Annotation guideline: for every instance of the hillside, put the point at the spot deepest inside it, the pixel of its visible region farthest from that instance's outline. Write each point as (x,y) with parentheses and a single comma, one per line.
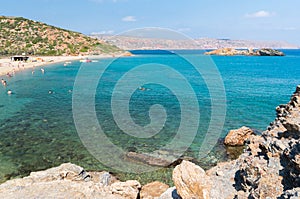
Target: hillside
(19,35)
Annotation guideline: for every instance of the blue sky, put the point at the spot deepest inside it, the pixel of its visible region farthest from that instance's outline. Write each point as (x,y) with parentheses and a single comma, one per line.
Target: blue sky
(234,19)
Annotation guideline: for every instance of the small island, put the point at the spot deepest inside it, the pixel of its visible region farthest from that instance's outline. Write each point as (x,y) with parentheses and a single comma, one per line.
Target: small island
(245,52)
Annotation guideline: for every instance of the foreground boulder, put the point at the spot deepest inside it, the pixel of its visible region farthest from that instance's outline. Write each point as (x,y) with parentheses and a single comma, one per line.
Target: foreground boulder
(191,181)
(69,181)
(237,137)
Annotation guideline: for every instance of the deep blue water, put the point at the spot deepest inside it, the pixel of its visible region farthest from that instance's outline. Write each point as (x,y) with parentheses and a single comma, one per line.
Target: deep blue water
(37,127)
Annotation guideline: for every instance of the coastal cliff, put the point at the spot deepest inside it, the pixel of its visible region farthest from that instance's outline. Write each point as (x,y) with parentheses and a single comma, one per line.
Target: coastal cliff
(247,52)
(268,168)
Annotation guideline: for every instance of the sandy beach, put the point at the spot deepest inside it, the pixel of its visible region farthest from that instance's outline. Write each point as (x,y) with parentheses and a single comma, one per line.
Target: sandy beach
(7,66)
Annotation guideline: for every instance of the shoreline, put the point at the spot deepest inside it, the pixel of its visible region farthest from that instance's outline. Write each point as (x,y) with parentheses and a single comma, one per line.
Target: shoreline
(11,67)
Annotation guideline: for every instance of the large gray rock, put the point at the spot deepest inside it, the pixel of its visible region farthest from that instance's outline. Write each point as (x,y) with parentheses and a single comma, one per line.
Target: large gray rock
(66,181)
(170,193)
(223,180)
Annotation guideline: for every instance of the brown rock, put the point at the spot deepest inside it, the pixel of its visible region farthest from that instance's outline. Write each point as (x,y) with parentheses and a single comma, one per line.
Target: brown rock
(237,137)
(153,190)
(128,189)
(191,181)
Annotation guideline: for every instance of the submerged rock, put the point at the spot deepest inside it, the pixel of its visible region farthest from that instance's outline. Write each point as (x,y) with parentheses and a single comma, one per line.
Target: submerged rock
(160,159)
(148,159)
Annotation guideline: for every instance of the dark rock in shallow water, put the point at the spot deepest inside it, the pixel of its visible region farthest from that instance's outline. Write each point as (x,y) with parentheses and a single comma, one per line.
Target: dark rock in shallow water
(269,52)
(162,159)
(148,159)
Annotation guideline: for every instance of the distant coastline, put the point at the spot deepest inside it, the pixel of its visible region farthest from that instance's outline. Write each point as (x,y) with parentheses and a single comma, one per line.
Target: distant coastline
(142,43)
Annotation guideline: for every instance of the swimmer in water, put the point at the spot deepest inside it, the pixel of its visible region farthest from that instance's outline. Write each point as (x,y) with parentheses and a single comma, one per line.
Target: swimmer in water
(43,71)
(9,92)
(4,83)
(142,88)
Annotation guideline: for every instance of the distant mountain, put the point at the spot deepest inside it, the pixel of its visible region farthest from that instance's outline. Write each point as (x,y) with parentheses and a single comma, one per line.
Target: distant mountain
(19,35)
(140,43)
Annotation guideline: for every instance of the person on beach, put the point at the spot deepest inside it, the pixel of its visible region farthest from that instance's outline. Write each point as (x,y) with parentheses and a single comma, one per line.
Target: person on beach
(8,74)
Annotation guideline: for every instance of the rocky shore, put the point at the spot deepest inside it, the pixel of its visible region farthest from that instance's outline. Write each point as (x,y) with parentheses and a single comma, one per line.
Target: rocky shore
(268,168)
(247,52)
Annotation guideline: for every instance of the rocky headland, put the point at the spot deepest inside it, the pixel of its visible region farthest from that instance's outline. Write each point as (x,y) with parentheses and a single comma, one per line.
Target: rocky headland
(246,52)
(269,167)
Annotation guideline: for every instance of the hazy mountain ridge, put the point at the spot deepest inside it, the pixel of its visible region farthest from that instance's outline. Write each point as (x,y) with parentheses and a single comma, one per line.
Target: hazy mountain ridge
(19,35)
(139,43)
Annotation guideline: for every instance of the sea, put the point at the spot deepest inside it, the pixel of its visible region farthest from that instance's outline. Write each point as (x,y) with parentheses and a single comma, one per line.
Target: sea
(167,103)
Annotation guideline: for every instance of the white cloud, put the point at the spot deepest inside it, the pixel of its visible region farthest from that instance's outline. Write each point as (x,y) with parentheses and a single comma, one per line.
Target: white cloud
(260,14)
(129,19)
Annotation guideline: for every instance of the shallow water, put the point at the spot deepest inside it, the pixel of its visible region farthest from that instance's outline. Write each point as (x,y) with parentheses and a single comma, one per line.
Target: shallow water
(37,127)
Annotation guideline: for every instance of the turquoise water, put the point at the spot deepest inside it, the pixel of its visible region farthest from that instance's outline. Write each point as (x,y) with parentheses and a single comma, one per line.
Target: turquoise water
(37,127)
